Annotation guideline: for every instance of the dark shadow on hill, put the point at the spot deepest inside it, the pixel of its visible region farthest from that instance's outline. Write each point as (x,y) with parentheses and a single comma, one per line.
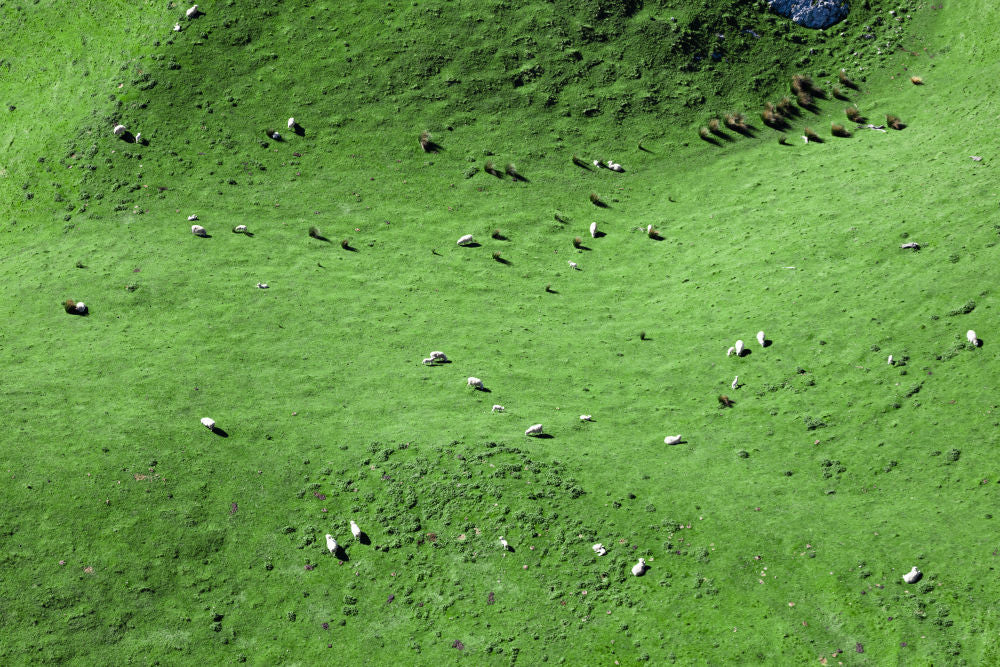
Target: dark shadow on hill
(748,131)
(548,288)
(582,247)
(499,237)
(517,176)
(656,236)
(709,139)
(127,137)
(319,237)
(485,390)
(581,164)
(219,432)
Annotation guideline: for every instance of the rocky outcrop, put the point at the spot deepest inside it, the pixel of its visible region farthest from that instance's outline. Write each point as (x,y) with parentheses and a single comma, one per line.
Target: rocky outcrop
(811,13)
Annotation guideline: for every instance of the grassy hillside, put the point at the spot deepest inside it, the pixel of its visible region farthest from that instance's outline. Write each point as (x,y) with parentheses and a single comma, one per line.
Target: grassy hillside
(777,532)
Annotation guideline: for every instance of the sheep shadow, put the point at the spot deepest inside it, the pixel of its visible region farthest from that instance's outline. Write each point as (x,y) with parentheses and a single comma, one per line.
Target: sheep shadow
(767,343)
(299,130)
(583,165)
(544,436)
(499,237)
(510,549)
(127,137)
(599,235)
(471,245)
(206,235)
(485,390)
(656,236)
(431,146)
(745,353)
(219,432)
(341,555)
(364,539)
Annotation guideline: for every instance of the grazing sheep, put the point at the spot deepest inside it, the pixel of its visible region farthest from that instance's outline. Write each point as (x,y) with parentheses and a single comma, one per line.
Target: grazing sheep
(586,418)
(193,12)
(198,230)
(497,408)
(599,549)
(466,240)
(355,531)
(429,361)
(738,348)
(504,545)
(730,351)
(331,544)
(639,568)
(597,163)
(291,123)
(593,230)
(475,383)
(736,382)
(192,217)
(649,229)
(534,430)
(80,308)
(276,136)
(138,137)
(119,130)
(573,265)
(890,360)
(671,439)
(971,336)
(208,423)
(439,355)
(240,229)
(913,576)
(760,338)
(614,166)
(177,27)
(910,246)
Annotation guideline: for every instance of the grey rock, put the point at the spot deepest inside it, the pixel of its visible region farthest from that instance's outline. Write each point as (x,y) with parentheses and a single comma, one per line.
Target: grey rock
(811,13)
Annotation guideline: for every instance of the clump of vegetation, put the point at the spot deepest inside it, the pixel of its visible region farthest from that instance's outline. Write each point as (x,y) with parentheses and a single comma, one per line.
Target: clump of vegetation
(597,201)
(497,257)
(854,115)
(548,288)
(786,108)
(498,235)
(425,142)
(704,133)
(838,130)
(577,242)
(736,122)
(725,401)
(70,306)
(772,117)
(346,244)
(642,335)
(916,81)
(846,80)
(513,172)
(839,93)
(805,100)
(491,170)
(811,135)
(713,126)
(580,163)
(559,217)
(316,234)
(653,233)
(894,122)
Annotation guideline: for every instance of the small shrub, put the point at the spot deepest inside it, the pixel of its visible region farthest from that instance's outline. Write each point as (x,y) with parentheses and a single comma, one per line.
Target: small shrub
(916,81)
(839,93)
(811,135)
(497,257)
(559,217)
(839,130)
(491,170)
(846,80)
(642,335)
(725,401)
(577,242)
(772,117)
(346,244)
(801,83)
(854,115)
(548,288)
(513,172)
(427,143)
(805,99)
(785,107)
(596,200)
(580,163)
(70,306)
(713,126)
(315,233)
(736,122)
(80,264)
(704,133)
(894,122)
(498,235)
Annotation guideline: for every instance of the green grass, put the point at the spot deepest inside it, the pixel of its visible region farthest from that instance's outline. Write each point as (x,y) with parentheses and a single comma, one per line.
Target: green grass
(833,470)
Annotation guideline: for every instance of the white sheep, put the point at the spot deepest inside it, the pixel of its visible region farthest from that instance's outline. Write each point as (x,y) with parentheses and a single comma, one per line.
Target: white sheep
(276,136)
(971,336)
(198,230)
(80,307)
(890,360)
(736,382)
(355,531)
(138,137)
(597,163)
(573,265)
(192,217)
(291,123)
(760,338)
(504,545)
(240,229)
(649,229)
(439,355)
(913,576)
(593,230)
(208,423)
(475,383)
(599,549)
(738,348)
(730,351)
(534,430)
(586,418)
(614,166)
(466,240)
(193,12)
(429,361)
(331,544)
(671,439)
(177,27)
(639,568)
(497,408)
(119,130)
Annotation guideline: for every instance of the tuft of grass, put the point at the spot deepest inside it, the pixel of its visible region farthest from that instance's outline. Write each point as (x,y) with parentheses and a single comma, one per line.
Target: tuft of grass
(346,244)
(581,163)
(846,80)
(548,288)
(811,135)
(497,257)
(801,83)
(597,201)
(805,100)
(559,217)
(916,81)
(425,141)
(704,133)
(725,401)
(70,306)
(314,232)
(713,126)
(577,242)
(772,117)
(513,172)
(491,170)
(786,108)
(642,335)
(839,93)
(498,235)
(838,130)
(854,115)
(80,264)
(894,122)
